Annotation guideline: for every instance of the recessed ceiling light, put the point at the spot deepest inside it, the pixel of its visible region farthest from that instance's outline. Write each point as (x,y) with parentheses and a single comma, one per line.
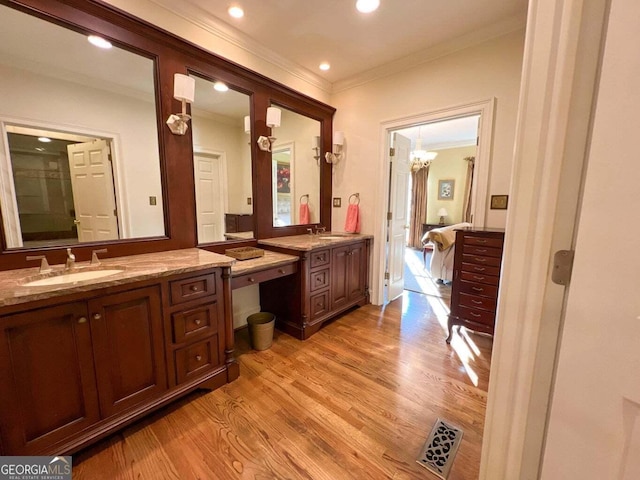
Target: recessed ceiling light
(324,66)
(367,6)
(99,41)
(236,12)
(220,87)
(44,139)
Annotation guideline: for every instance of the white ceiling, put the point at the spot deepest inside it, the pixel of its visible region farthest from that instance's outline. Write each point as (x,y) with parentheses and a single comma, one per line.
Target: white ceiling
(307,32)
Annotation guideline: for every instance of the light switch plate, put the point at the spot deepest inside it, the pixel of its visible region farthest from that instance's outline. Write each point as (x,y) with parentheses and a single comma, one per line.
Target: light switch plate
(248,200)
(337,202)
(152,200)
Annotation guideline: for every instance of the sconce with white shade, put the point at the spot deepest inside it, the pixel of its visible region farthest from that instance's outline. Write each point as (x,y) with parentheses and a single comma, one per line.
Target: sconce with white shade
(338,142)
(274,116)
(247,124)
(315,146)
(184,88)
(442,213)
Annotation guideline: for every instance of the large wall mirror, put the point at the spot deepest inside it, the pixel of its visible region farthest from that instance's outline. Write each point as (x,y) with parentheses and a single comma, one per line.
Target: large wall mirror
(79,154)
(222,162)
(295,170)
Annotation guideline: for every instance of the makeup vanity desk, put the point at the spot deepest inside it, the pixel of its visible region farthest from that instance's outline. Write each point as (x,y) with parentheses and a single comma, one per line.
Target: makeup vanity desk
(271,266)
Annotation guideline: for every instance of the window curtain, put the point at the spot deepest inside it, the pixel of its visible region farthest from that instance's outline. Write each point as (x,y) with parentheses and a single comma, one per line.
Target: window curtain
(418,205)
(466,210)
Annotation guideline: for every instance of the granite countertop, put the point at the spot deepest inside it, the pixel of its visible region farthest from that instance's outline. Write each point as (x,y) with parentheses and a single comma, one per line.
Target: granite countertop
(269,260)
(309,242)
(135,268)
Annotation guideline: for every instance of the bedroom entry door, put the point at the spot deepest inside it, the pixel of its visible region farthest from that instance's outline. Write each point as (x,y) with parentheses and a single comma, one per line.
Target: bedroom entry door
(399,221)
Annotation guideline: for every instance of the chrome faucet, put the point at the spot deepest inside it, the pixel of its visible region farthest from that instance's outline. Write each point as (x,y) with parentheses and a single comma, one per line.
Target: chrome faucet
(320,230)
(44,265)
(71,260)
(310,230)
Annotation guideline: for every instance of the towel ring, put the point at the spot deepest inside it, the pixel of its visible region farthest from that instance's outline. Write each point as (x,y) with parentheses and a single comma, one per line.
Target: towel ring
(306,195)
(357,199)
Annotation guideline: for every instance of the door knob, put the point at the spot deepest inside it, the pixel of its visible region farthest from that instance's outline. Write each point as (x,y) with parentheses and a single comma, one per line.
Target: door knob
(97,316)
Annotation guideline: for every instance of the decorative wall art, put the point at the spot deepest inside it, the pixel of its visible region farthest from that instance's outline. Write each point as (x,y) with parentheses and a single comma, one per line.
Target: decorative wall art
(446,189)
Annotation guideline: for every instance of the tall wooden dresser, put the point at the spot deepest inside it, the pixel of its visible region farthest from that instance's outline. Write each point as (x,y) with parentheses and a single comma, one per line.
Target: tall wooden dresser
(476,279)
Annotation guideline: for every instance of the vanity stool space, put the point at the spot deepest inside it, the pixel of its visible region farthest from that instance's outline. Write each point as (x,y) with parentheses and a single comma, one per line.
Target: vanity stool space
(476,279)
(333,276)
(81,360)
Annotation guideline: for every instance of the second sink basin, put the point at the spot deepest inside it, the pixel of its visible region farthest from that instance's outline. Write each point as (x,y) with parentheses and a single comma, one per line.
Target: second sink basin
(331,237)
(71,277)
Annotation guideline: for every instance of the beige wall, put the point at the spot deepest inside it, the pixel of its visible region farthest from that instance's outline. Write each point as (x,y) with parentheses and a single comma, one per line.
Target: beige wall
(449,164)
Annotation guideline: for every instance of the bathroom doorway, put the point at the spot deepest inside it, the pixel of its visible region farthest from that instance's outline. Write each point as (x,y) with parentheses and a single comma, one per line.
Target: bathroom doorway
(454,190)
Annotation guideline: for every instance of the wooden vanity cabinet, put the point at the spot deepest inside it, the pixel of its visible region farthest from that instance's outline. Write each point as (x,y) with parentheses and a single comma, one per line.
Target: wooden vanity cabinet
(75,368)
(329,281)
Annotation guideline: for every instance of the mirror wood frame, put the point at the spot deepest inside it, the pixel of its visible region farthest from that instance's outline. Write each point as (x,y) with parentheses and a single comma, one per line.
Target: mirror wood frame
(172,54)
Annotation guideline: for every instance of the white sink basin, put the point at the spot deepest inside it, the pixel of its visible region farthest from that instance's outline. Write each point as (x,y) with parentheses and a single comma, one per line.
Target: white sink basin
(71,277)
(332,237)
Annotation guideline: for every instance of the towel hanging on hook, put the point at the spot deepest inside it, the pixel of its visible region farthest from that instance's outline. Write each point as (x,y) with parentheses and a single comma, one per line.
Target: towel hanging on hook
(306,195)
(356,199)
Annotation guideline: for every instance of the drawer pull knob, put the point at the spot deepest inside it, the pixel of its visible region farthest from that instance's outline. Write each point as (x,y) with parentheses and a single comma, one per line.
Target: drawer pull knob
(281,270)
(193,288)
(97,316)
(479,259)
(319,258)
(477,302)
(481,240)
(82,320)
(197,321)
(474,314)
(479,269)
(198,358)
(481,250)
(478,277)
(251,279)
(477,289)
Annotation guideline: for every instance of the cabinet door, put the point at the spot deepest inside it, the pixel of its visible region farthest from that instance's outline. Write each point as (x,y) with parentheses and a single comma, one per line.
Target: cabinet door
(47,377)
(356,271)
(339,279)
(128,346)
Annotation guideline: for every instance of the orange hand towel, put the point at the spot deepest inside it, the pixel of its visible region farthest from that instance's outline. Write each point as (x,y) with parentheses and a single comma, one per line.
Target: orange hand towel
(305,214)
(352,223)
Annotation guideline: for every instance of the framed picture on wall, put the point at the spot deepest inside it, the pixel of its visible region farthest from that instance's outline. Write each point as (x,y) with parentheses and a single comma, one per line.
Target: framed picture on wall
(446,189)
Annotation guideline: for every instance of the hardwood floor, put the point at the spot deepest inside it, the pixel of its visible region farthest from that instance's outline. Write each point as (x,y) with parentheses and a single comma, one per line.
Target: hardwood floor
(355,401)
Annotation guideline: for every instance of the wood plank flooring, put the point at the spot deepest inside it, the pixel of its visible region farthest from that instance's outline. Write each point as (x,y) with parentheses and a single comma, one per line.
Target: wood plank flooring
(355,401)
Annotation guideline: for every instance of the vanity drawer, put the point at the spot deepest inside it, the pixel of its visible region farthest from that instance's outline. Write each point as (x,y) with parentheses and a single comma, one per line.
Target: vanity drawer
(475,301)
(481,260)
(192,288)
(319,304)
(263,276)
(481,269)
(195,323)
(196,359)
(319,279)
(320,258)
(475,288)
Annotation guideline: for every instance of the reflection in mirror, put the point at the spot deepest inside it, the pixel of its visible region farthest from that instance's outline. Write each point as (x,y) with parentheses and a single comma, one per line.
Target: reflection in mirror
(296,170)
(222,163)
(98,176)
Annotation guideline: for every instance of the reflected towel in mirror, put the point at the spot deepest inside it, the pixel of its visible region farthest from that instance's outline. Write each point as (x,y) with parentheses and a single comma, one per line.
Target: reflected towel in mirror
(305,214)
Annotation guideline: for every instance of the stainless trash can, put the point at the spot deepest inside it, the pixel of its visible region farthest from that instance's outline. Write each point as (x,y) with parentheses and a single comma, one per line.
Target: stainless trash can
(261,329)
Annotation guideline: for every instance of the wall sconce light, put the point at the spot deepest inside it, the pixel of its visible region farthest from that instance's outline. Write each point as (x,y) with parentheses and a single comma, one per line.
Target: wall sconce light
(442,213)
(273,120)
(184,88)
(335,156)
(315,146)
(247,124)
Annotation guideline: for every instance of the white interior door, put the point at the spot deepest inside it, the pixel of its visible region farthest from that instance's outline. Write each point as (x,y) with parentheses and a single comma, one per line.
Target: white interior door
(93,191)
(399,222)
(594,424)
(209,197)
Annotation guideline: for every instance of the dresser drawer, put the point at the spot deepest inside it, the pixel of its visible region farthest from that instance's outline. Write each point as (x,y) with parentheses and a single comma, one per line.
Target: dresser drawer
(481,260)
(192,288)
(196,359)
(483,241)
(475,288)
(481,269)
(482,251)
(475,301)
(319,280)
(480,278)
(319,304)
(478,316)
(263,276)
(319,258)
(195,323)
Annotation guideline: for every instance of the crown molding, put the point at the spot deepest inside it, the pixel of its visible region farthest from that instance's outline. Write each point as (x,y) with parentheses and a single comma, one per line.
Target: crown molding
(448,47)
(449,145)
(204,20)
